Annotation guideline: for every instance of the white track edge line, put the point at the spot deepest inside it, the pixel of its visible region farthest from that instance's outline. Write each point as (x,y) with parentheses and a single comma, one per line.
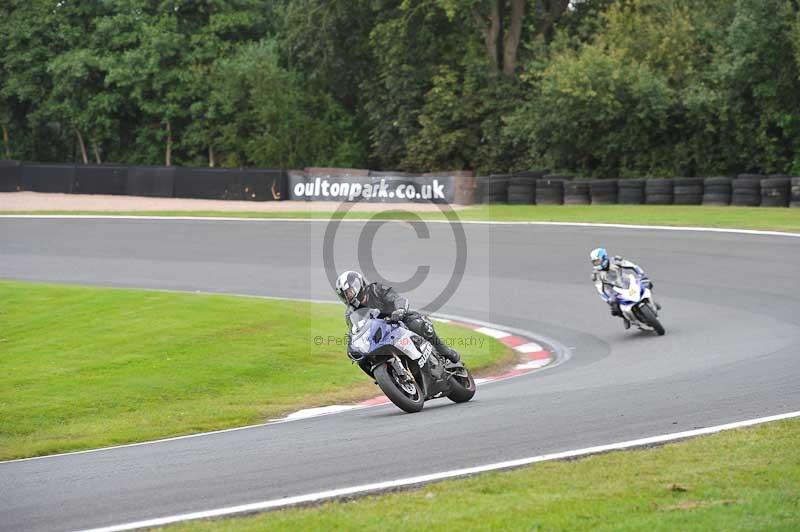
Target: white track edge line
(422,479)
(554,345)
(364,220)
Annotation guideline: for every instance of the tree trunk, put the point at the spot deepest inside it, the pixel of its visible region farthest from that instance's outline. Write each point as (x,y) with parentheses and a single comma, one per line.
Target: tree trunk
(553,9)
(169,144)
(83,146)
(211,160)
(97,153)
(512,38)
(5,142)
(492,30)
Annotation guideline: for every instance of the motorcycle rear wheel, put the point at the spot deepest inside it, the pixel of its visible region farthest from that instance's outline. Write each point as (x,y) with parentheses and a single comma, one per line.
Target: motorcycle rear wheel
(649,317)
(392,387)
(463,387)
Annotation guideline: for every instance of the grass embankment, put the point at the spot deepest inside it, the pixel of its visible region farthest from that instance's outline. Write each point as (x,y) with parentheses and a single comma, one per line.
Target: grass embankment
(90,367)
(748,479)
(761,218)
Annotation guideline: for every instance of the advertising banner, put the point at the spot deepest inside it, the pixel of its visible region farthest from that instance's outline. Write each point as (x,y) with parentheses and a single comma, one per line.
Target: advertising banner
(372,188)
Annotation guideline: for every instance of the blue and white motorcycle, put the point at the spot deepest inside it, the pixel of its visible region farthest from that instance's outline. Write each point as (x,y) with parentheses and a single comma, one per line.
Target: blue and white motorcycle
(636,303)
(406,366)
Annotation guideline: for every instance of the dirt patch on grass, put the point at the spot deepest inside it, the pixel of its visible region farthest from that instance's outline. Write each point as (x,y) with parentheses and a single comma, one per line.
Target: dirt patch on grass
(693,505)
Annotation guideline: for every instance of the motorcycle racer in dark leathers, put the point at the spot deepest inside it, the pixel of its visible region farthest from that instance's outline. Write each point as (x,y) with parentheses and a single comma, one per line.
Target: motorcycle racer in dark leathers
(355,292)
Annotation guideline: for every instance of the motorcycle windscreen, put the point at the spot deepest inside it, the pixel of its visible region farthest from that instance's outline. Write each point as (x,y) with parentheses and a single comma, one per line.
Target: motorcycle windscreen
(628,289)
(359,317)
(363,323)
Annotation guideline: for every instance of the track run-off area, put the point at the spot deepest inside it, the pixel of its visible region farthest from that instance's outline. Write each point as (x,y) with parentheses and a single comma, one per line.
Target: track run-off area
(731,307)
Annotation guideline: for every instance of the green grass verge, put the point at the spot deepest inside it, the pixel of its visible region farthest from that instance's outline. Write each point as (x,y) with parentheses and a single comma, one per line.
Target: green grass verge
(90,367)
(763,218)
(748,479)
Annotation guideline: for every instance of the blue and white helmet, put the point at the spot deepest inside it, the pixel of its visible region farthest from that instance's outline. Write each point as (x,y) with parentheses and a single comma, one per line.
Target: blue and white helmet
(350,287)
(599,258)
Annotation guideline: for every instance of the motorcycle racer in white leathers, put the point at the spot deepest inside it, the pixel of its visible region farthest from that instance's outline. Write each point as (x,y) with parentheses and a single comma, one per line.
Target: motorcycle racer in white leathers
(608,272)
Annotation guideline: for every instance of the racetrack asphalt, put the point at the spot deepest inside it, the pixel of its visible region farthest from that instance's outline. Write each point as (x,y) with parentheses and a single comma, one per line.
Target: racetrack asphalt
(731,310)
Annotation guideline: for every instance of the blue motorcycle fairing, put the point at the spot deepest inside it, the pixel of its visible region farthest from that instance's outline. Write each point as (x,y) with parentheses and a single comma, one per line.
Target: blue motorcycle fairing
(377,333)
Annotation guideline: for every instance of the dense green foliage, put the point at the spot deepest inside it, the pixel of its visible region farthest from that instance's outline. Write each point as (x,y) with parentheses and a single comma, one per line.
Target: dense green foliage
(597,87)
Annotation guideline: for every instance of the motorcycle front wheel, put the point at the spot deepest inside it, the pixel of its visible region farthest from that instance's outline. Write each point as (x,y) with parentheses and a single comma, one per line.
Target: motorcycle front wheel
(462,386)
(649,317)
(406,395)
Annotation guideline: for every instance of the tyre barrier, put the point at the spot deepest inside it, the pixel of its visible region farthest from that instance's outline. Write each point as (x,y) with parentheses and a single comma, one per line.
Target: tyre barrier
(795,193)
(630,191)
(521,190)
(493,189)
(776,191)
(550,189)
(746,190)
(687,190)
(465,193)
(526,187)
(717,191)
(658,191)
(577,192)
(604,191)
(10,176)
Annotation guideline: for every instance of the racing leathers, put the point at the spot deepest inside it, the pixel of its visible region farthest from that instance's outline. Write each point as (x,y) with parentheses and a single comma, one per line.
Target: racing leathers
(604,280)
(391,304)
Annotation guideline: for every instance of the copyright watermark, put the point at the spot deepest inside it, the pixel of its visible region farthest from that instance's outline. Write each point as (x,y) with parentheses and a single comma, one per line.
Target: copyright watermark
(364,252)
(454,342)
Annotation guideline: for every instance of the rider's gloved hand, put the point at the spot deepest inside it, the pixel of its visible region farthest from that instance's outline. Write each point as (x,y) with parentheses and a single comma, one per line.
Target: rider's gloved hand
(398,315)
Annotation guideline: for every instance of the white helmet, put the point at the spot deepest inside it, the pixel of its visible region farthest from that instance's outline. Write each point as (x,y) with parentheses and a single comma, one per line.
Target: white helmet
(350,287)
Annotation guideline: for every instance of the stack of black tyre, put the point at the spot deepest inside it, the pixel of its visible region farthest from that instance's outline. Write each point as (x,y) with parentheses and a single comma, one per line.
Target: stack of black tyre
(522,189)
(776,191)
(493,189)
(658,191)
(717,191)
(604,192)
(577,192)
(630,191)
(550,189)
(687,190)
(747,190)
(795,194)
(535,187)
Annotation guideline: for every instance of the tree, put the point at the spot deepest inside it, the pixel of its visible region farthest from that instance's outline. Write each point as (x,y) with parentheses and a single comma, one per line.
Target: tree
(671,87)
(762,85)
(501,24)
(26,42)
(144,61)
(328,44)
(597,114)
(215,30)
(268,119)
